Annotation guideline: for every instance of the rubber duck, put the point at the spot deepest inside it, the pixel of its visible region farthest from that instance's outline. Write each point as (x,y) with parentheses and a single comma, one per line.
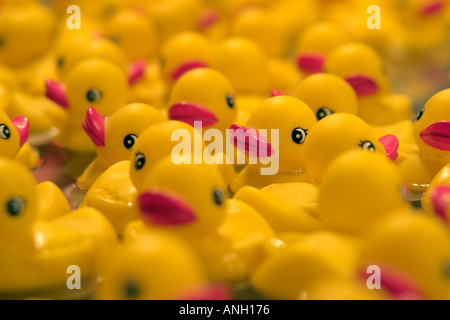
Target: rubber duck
(115,191)
(412,252)
(183,52)
(291,119)
(244,64)
(174,16)
(434,198)
(420,164)
(260,25)
(135,33)
(327,94)
(128,278)
(338,133)
(92,82)
(294,271)
(72,50)
(228,235)
(35,253)
(115,136)
(206,96)
(316,43)
(358,189)
(26,33)
(286,206)
(363,68)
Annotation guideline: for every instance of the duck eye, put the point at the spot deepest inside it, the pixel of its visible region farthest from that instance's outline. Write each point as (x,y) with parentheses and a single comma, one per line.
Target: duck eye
(367,146)
(15,206)
(230,101)
(129,141)
(5,133)
(131,290)
(139,161)
(446,269)
(2,42)
(323,112)
(420,114)
(299,135)
(114,39)
(218,196)
(162,62)
(60,62)
(93,95)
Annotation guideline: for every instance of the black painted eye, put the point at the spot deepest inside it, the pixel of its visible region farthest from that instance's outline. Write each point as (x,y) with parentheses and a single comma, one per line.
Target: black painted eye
(299,135)
(5,133)
(218,196)
(420,114)
(2,42)
(446,269)
(323,112)
(60,62)
(230,101)
(114,39)
(15,206)
(139,161)
(367,146)
(130,290)
(93,95)
(162,62)
(129,141)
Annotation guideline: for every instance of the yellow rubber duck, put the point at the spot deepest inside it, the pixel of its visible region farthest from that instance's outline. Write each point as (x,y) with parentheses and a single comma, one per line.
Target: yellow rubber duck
(327,94)
(174,16)
(316,43)
(412,253)
(91,83)
(338,133)
(244,64)
(287,207)
(288,121)
(358,189)
(262,26)
(114,192)
(228,235)
(183,52)
(128,276)
(434,199)
(420,164)
(26,33)
(206,96)
(36,254)
(134,32)
(291,273)
(72,50)
(115,136)
(363,68)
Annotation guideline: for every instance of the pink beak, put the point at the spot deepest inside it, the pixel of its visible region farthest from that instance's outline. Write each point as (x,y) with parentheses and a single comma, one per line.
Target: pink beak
(207,292)
(390,144)
(207,18)
(187,66)
(56,92)
(136,71)
(310,63)
(432,8)
(23,127)
(94,125)
(363,85)
(437,135)
(190,113)
(440,198)
(250,141)
(398,284)
(276,93)
(164,209)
